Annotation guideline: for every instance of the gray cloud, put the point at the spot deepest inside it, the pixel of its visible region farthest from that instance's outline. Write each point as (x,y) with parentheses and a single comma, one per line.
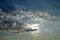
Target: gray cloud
(12,21)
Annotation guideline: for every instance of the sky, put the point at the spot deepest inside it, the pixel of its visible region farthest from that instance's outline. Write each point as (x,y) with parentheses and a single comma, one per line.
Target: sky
(46,13)
(40,5)
(31,4)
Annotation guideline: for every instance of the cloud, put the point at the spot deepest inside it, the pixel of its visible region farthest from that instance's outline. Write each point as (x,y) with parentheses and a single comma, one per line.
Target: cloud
(13,20)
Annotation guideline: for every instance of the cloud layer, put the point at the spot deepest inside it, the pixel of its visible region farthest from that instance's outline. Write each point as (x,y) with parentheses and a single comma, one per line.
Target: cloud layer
(17,19)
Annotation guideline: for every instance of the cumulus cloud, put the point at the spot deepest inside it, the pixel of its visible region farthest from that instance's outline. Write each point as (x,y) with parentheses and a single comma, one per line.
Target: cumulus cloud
(13,21)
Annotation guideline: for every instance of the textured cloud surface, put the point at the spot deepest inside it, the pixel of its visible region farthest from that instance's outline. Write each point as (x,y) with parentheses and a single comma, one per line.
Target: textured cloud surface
(17,20)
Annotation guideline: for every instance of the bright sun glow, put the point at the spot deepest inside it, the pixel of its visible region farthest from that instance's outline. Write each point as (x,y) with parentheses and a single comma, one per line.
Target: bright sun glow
(33,26)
